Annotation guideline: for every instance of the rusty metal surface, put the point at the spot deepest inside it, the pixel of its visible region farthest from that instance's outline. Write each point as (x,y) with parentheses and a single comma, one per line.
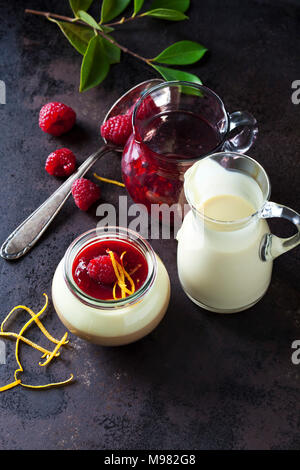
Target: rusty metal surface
(200,380)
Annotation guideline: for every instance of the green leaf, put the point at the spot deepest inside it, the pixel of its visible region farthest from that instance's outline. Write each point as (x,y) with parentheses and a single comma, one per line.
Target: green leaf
(106,29)
(181,53)
(166,14)
(112,52)
(88,19)
(95,65)
(173,74)
(79,36)
(77,5)
(112,8)
(137,6)
(179,5)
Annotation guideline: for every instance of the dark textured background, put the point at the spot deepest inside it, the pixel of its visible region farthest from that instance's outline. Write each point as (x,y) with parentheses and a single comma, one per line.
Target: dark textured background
(200,380)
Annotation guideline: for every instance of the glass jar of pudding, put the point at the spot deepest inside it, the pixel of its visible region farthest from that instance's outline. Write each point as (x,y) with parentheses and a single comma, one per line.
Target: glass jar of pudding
(109,313)
(174,125)
(225,248)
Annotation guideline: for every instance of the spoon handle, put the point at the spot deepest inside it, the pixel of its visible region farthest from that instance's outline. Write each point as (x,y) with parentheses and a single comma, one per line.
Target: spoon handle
(23,238)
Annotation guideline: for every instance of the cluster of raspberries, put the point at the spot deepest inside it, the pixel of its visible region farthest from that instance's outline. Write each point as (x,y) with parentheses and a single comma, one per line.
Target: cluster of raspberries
(57,119)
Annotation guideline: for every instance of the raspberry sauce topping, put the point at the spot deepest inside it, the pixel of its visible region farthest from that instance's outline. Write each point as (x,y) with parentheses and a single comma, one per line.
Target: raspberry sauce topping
(98,269)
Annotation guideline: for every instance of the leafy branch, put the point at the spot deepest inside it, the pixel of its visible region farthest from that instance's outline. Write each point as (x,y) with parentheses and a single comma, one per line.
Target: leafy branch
(93,39)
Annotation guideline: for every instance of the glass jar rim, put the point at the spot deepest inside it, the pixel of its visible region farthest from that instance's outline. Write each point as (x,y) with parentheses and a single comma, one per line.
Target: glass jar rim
(91,236)
(164,84)
(245,220)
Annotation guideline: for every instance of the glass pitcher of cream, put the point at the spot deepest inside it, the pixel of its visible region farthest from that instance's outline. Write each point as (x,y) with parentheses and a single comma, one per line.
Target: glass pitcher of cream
(225,248)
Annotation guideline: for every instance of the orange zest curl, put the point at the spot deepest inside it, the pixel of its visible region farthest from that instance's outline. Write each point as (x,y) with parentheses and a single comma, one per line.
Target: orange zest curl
(55,350)
(27,341)
(121,275)
(106,180)
(11,385)
(46,353)
(54,384)
(34,317)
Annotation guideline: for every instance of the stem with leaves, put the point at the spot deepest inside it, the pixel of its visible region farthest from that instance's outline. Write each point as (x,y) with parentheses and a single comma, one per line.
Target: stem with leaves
(100,50)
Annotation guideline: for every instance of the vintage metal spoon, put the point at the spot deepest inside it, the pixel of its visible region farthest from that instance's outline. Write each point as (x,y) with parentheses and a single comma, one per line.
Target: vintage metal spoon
(24,237)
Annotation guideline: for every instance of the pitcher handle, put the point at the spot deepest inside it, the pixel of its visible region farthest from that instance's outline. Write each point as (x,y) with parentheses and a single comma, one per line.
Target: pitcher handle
(242,133)
(271,245)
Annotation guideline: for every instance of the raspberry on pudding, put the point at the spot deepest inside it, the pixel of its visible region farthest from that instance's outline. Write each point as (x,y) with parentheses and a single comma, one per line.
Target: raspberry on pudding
(109,269)
(101,269)
(111,288)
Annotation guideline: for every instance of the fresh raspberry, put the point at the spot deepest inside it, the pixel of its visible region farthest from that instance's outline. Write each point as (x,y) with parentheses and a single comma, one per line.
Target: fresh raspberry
(147,108)
(56,118)
(117,129)
(85,193)
(62,162)
(101,269)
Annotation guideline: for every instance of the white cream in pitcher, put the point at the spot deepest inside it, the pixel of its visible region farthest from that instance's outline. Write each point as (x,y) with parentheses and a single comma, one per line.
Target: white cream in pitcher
(218,244)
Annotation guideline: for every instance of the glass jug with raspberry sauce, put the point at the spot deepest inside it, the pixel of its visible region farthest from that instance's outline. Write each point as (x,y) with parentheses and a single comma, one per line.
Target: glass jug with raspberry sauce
(174,125)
